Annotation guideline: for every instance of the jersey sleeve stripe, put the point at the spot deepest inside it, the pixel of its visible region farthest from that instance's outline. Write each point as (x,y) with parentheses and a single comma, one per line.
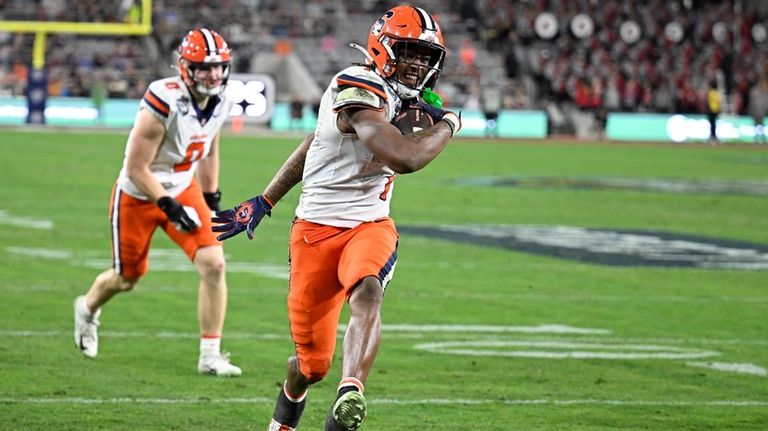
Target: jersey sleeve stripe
(388,270)
(344,80)
(156,103)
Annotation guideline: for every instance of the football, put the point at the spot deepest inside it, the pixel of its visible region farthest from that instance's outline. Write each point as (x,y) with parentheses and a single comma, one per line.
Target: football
(412,120)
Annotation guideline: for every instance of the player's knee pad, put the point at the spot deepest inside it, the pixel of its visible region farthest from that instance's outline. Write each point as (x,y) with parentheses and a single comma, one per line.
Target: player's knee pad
(314,368)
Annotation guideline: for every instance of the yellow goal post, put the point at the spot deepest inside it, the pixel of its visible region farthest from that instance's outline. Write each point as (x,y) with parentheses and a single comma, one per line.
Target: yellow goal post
(36,94)
(42,28)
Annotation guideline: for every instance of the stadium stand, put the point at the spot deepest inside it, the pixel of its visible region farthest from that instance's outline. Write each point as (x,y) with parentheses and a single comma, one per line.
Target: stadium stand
(662,63)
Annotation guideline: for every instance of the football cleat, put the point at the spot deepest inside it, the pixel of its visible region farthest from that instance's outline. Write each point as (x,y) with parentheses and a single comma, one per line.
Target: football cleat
(277,426)
(86,337)
(218,365)
(349,411)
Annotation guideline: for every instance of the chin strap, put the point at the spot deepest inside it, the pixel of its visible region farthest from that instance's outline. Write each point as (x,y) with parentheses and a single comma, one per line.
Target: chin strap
(405,91)
(208,92)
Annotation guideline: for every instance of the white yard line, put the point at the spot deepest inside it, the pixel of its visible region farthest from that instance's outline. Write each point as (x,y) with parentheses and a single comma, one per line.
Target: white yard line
(170,260)
(550,328)
(25,222)
(174,260)
(562,350)
(140,334)
(279,271)
(391,401)
(741,368)
(489,340)
(392,331)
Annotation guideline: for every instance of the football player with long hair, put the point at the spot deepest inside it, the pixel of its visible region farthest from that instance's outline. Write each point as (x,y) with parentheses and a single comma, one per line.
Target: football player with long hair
(343,244)
(169,179)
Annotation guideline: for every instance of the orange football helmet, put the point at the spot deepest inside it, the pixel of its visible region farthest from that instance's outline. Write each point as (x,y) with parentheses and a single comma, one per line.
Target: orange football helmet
(203,48)
(391,36)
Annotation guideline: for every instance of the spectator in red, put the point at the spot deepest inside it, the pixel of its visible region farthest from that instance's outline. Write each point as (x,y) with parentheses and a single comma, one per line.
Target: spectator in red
(467,53)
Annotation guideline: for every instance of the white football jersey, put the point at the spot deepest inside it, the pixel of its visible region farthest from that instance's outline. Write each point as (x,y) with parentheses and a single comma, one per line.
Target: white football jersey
(344,184)
(189,133)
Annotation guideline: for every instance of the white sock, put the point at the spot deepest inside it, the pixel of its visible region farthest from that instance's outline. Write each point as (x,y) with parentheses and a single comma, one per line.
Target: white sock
(353,382)
(83,309)
(210,345)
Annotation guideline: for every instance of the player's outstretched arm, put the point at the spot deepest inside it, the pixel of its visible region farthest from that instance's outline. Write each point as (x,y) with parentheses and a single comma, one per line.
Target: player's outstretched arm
(247,215)
(402,153)
(290,173)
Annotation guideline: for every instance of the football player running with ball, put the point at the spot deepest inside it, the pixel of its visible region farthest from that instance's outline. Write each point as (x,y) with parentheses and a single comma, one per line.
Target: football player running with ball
(343,245)
(175,135)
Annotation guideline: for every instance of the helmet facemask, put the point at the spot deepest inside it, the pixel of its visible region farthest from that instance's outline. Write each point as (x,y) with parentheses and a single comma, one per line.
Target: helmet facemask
(198,85)
(413,65)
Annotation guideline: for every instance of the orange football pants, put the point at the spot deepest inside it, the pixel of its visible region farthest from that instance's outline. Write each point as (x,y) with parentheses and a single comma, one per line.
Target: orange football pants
(134,221)
(327,263)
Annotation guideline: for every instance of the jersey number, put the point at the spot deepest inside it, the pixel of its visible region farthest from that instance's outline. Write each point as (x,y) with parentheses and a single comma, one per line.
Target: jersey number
(194,153)
(390,180)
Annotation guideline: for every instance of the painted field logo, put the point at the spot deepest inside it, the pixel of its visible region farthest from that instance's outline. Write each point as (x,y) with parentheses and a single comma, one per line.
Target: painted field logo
(608,247)
(662,185)
(563,350)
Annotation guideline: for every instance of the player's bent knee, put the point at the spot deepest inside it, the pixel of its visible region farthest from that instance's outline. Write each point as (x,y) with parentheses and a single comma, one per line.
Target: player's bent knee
(315,369)
(369,290)
(124,284)
(295,375)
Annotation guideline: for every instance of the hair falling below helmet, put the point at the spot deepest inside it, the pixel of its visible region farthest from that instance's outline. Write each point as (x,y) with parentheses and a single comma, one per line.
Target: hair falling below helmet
(204,49)
(400,33)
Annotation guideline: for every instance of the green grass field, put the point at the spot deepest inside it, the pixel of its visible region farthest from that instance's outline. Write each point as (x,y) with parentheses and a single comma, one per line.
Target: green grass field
(481,332)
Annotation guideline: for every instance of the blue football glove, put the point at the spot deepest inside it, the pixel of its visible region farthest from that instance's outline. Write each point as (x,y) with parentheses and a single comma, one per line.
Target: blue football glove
(438,114)
(244,217)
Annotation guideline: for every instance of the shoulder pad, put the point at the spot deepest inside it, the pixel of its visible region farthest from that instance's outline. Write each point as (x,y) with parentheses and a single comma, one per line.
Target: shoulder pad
(156,104)
(161,96)
(357,97)
(349,80)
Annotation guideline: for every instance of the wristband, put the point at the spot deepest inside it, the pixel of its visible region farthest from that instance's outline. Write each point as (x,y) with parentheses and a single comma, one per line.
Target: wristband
(453,121)
(212,199)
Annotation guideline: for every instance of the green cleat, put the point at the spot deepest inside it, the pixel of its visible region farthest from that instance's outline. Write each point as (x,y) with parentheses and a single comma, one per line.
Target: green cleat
(350,410)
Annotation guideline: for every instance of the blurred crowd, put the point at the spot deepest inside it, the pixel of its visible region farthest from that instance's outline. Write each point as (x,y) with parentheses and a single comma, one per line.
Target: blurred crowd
(77,64)
(651,56)
(631,55)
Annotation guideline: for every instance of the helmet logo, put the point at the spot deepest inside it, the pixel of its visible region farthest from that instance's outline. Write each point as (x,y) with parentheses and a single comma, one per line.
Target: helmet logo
(379,24)
(183,105)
